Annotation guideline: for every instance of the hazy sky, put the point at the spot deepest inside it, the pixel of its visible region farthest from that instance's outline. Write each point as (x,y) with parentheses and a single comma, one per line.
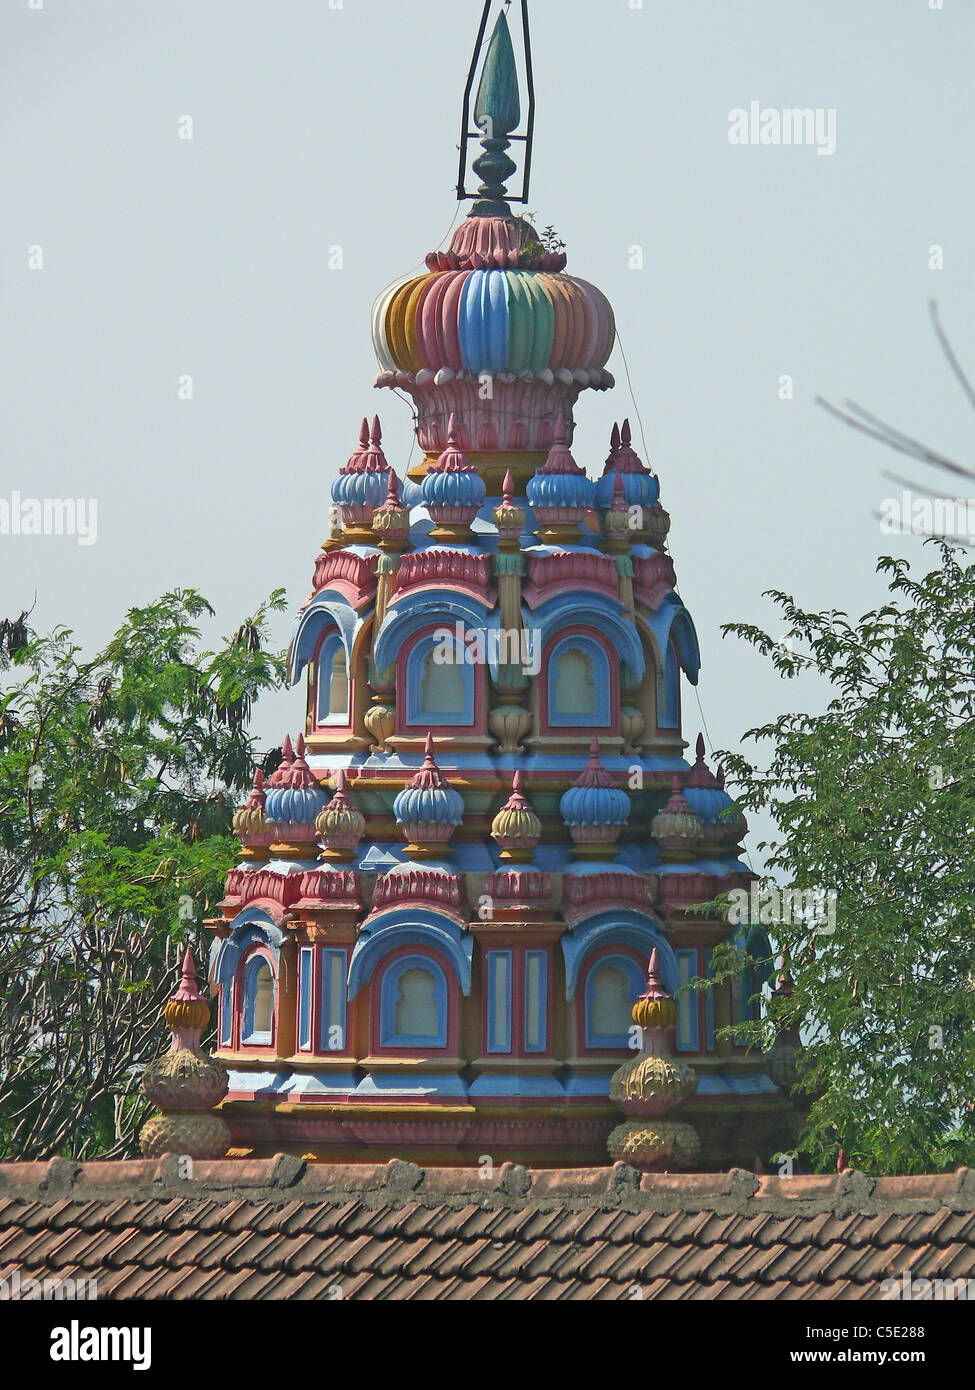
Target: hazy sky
(316,126)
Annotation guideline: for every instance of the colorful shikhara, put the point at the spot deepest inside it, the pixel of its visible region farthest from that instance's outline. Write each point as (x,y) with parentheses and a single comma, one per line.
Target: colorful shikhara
(436,943)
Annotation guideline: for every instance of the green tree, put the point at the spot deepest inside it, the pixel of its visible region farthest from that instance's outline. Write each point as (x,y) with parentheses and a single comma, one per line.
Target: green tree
(874,800)
(118,778)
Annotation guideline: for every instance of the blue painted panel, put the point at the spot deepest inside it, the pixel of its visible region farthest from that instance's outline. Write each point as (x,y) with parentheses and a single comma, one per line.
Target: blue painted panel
(668,691)
(323,1085)
(590,1083)
(491,1084)
(424,1085)
(688,1014)
(306,965)
(709,1000)
(333,1001)
(536,1001)
(497,965)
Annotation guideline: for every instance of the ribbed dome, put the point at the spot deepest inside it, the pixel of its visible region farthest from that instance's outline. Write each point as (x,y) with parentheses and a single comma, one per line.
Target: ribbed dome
(516,829)
(560,485)
(296,799)
(517,321)
(453,490)
(250,820)
(675,826)
(340,825)
(363,481)
(640,487)
(702,792)
(593,800)
(428,799)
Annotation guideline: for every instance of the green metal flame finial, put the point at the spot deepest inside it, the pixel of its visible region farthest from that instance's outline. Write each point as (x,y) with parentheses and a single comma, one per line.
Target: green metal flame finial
(497,111)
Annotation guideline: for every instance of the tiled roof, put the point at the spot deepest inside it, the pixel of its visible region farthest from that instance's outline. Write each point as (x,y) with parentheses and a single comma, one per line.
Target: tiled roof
(280,1228)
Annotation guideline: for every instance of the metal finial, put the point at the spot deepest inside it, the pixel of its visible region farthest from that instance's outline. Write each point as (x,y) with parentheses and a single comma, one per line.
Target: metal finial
(497,113)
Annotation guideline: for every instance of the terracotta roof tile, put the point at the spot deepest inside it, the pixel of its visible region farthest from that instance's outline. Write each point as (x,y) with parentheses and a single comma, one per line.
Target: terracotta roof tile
(272,1229)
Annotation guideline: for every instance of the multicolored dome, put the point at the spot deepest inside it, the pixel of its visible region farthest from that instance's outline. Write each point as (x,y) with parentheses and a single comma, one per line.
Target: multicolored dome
(516,829)
(675,826)
(249,820)
(340,825)
(524,322)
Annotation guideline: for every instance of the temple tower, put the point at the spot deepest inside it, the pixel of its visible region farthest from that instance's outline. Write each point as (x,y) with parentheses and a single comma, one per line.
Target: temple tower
(450,889)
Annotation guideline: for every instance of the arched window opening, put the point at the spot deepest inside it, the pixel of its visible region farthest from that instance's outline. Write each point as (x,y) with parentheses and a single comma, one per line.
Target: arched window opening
(611,987)
(436,683)
(258,1002)
(332,681)
(442,690)
(413,1004)
(415,1011)
(611,1002)
(580,686)
(338,685)
(575,687)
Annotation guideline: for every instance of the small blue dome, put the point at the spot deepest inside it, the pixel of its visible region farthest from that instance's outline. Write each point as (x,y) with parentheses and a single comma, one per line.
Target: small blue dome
(453,488)
(428,806)
(595,806)
(361,489)
(410,493)
(573,490)
(706,802)
(639,489)
(428,798)
(294,805)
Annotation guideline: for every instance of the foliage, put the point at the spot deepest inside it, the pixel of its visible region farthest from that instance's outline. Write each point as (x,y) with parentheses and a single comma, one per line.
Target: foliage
(873,800)
(117,786)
